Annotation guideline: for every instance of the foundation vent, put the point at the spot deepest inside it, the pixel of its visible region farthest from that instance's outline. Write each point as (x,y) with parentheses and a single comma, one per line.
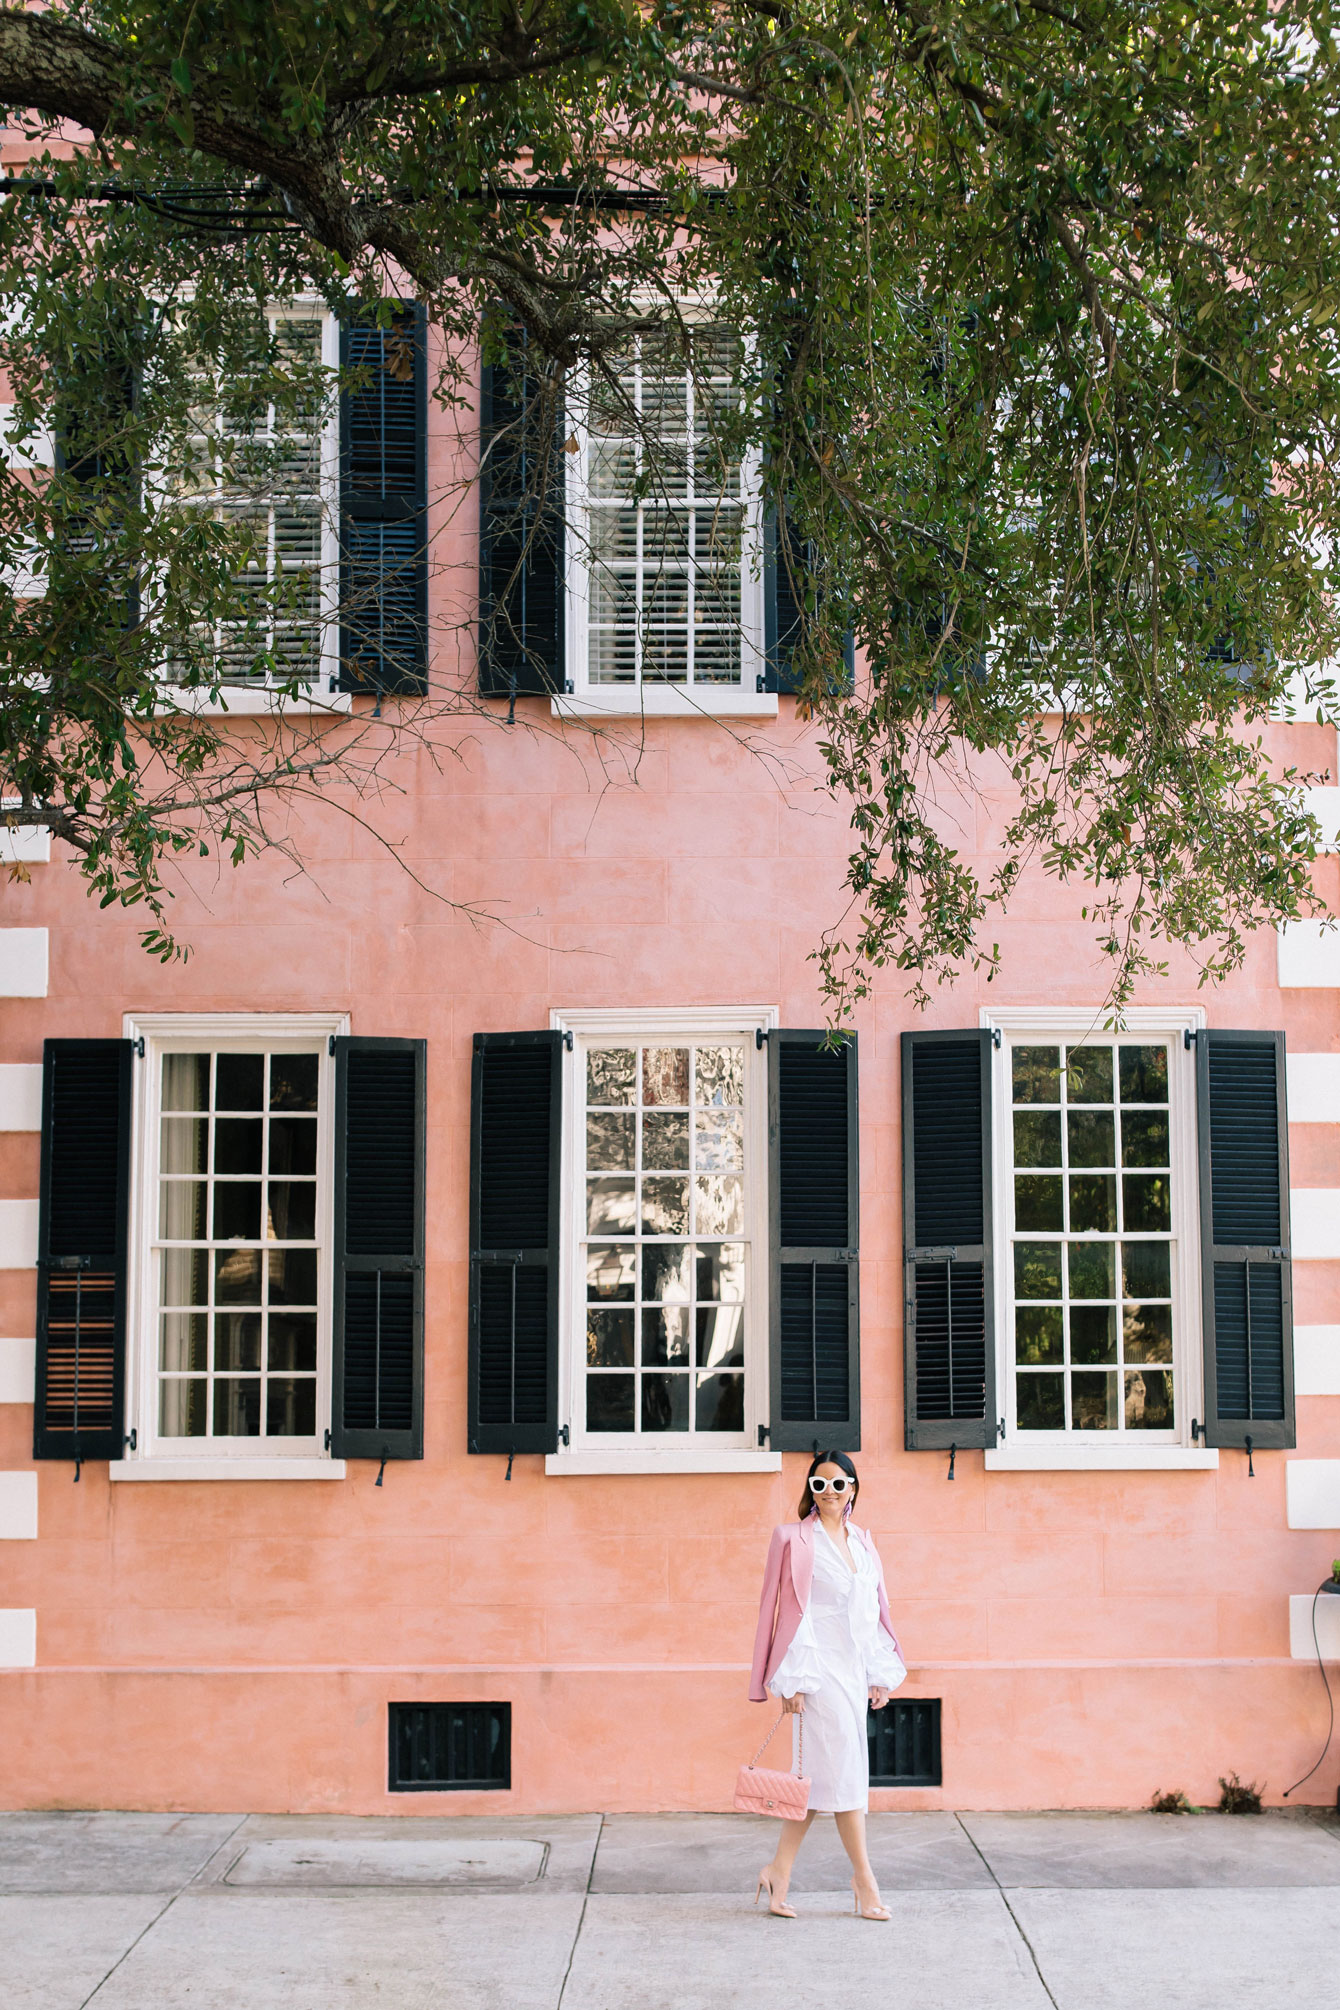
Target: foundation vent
(905,1743)
(450,1748)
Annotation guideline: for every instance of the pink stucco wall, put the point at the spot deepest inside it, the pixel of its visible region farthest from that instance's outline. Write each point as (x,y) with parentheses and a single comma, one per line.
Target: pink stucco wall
(234,1644)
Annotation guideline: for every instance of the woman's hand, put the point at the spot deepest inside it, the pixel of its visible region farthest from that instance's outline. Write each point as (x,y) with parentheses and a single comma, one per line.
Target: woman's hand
(794,1706)
(879,1696)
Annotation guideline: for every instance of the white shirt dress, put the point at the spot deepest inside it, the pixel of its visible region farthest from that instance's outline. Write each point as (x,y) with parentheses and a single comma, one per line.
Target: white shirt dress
(840,1652)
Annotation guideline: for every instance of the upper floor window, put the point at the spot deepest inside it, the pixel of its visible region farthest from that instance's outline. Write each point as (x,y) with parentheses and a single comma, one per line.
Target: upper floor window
(271,467)
(664,512)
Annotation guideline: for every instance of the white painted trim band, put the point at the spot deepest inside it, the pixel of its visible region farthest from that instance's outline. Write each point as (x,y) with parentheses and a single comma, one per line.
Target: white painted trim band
(1301,1644)
(18,1507)
(558,1465)
(1314,1222)
(18,1638)
(1312,1490)
(23,962)
(1316,1360)
(18,1370)
(226,1468)
(1314,1088)
(18,1234)
(21,1096)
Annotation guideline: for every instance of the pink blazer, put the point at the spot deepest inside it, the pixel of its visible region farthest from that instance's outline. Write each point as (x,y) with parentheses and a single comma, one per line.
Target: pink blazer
(786,1593)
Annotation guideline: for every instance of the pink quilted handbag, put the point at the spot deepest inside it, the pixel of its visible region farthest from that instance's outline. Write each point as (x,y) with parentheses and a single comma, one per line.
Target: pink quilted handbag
(759,1791)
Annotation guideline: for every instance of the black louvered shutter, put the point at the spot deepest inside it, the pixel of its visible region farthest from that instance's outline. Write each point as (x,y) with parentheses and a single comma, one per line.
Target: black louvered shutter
(516,1102)
(95,399)
(949,1376)
(814,1208)
(1247,1306)
(788,567)
(384,505)
(81,1244)
(522,614)
(377,1380)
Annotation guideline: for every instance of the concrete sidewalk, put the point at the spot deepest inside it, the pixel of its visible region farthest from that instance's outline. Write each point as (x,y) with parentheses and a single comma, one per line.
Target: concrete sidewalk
(632,1912)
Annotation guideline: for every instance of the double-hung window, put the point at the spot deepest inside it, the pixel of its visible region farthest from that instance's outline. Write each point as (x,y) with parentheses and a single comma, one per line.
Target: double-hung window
(668,1224)
(664,530)
(1096,1239)
(233,1279)
(663,1241)
(272,469)
(1096,1301)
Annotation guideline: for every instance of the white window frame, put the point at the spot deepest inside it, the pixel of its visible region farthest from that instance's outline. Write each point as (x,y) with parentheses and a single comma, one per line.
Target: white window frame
(321,694)
(658,700)
(157,1458)
(1099,1451)
(596,1453)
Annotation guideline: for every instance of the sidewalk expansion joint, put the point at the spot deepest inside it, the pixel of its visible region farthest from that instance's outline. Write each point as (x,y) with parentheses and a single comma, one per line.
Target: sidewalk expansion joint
(163,1909)
(581,1917)
(1005,1901)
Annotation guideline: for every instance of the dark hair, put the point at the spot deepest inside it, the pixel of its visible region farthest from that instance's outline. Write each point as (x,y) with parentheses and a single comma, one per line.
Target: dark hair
(826,1459)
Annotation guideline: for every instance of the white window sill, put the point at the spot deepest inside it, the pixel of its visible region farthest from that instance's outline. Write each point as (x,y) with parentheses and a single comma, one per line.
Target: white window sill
(260,1468)
(665,701)
(556,1464)
(249,701)
(1063,1457)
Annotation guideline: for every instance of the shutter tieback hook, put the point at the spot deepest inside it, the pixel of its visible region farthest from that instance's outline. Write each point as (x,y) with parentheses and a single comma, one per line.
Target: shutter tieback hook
(1251,1469)
(511,1454)
(77,1464)
(382,1468)
(953,1454)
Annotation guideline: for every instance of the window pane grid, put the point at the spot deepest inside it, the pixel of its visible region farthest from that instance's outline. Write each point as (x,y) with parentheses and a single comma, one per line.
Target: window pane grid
(664,1253)
(1092,1237)
(286,522)
(236,1255)
(666,519)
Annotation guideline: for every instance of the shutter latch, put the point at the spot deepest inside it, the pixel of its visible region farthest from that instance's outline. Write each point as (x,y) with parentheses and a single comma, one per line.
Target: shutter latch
(935,1254)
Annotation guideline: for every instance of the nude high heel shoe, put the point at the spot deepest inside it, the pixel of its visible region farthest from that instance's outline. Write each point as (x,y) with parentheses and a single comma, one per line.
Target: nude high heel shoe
(877,1911)
(778,1907)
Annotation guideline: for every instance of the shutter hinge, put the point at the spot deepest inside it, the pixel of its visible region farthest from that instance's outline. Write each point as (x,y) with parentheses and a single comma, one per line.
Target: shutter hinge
(1197,1430)
(567,1040)
(131,1441)
(330,1048)
(996,1038)
(760,1037)
(1188,1039)
(762,1435)
(563,1436)
(327,1437)
(138,1045)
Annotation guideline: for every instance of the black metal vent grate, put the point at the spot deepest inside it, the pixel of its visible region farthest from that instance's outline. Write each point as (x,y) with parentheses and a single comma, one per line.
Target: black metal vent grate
(905,1743)
(450,1747)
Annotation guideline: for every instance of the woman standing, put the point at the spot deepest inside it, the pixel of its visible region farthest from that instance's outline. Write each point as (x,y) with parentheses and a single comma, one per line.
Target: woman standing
(826,1647)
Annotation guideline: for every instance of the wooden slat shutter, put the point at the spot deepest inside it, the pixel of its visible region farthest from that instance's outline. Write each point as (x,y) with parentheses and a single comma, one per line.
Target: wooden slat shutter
(82,1251)
(949,1380)
(515,1139)
(384,505)
(788,566)
(814,1206)
(95,399)
(1247,1308)
(377,1380)
(522,611)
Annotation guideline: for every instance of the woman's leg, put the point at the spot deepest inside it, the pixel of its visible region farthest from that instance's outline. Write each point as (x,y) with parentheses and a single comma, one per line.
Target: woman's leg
(792,1835)
(851,1828)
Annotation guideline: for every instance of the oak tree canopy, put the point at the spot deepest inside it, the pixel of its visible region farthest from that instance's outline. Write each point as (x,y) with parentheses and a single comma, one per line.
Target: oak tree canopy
(1041,305)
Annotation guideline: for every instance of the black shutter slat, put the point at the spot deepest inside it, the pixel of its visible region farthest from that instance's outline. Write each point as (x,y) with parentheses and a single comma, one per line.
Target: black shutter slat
(384,506)
(1247,1285)
(814,1197)
(515,1144)
(522,610)
(949,1378)
(82,1250)
(380,1127)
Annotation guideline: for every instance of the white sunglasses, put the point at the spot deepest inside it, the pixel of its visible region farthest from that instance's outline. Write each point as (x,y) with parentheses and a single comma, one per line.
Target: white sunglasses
(819,1485)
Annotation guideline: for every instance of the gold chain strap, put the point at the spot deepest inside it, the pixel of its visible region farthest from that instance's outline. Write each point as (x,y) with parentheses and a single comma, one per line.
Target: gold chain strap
(799,1715)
